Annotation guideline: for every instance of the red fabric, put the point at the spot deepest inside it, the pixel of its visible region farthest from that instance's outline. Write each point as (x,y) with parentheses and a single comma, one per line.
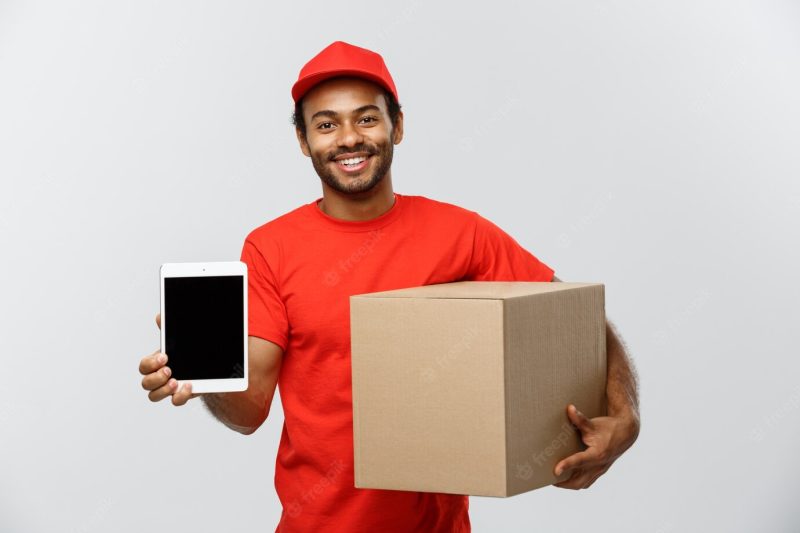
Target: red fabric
(303,266)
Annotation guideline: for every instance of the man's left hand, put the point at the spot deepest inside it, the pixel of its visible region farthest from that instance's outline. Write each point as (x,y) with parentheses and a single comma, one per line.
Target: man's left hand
(607,437)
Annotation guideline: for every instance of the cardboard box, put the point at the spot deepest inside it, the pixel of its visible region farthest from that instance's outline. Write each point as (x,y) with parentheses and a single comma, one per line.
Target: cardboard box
(462,387)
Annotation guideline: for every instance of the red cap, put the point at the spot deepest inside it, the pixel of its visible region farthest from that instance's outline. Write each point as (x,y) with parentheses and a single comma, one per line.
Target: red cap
(343,59)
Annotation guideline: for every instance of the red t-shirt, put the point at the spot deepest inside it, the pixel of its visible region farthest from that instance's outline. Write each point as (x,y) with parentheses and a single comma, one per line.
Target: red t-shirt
(303,267)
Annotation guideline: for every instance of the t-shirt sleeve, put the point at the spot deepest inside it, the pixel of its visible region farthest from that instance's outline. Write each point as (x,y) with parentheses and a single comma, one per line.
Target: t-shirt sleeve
(496,256)
(267,316)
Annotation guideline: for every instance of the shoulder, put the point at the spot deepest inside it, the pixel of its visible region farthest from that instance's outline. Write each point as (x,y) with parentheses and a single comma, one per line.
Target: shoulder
(423,204)
(274,229)
(267,241)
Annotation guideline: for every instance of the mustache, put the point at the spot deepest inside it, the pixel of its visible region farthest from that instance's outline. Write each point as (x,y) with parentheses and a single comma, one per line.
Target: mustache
(371,150)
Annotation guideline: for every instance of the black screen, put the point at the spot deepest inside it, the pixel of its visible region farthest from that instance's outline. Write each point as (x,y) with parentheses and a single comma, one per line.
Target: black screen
(204,325)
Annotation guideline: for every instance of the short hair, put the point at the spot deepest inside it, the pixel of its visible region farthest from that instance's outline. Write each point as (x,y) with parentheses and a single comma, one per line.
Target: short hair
(392,106)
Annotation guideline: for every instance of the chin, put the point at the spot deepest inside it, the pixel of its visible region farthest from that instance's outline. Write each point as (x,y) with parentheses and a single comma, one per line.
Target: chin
(358,187)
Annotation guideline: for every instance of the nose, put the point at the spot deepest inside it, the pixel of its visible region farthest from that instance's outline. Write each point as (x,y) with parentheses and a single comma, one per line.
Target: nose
(349,135)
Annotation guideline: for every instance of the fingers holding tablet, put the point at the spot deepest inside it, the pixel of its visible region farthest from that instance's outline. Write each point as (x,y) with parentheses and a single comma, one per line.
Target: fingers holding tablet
(151,363)
(157,376)
(162,392)
(183,394)
(159,382)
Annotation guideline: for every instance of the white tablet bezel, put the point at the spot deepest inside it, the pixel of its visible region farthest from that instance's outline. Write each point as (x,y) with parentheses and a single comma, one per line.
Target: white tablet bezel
(220,268)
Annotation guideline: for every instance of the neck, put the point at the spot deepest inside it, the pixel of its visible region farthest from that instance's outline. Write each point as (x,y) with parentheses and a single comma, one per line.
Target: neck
(361,206)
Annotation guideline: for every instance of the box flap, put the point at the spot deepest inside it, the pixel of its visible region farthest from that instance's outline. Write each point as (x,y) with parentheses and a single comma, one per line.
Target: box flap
(489,290)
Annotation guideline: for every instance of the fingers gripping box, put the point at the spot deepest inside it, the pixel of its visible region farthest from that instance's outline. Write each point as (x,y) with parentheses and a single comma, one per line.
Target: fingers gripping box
(462,387)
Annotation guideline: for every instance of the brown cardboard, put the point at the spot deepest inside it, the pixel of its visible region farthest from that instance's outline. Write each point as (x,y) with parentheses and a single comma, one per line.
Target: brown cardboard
(462,387)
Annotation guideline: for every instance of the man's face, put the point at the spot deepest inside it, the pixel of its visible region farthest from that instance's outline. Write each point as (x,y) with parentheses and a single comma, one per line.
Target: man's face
(349,135)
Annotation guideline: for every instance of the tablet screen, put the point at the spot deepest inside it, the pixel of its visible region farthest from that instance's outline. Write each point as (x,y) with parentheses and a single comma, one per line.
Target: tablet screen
(204,326)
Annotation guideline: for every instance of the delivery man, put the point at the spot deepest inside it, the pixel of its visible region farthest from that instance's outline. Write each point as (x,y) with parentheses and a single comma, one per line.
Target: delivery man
(362,237)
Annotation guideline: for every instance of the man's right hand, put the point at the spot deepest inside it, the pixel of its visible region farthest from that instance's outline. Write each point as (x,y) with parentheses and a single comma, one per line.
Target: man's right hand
(158,378)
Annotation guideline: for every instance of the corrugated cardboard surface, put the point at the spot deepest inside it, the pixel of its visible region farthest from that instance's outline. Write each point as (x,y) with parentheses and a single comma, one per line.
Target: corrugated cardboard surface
(462,387)
(555,354)
(428,398)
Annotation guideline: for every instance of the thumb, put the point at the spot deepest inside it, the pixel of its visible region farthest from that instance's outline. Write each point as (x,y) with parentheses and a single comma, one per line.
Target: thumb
(579,419)
(158,320)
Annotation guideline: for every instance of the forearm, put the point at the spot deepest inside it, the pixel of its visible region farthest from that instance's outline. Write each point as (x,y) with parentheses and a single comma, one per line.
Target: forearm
(241,411)
(622,390)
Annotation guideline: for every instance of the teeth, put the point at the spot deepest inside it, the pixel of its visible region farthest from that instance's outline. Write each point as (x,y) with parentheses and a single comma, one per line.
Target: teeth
(352,160)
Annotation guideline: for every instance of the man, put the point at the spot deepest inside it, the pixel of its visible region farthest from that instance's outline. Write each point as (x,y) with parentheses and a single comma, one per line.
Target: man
(361,237)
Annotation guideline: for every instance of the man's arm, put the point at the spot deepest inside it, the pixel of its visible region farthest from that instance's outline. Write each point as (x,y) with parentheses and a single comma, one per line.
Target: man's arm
(622,387)
(607,437)
(245,411)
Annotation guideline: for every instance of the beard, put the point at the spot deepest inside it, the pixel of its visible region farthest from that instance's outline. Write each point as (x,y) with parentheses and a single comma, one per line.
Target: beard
(382,152)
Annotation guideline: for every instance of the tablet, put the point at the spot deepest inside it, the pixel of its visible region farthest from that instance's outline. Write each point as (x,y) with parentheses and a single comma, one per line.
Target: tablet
(204,324)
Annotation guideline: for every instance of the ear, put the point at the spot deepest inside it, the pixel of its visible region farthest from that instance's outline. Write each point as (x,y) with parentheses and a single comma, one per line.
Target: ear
(397,131)
(303,142)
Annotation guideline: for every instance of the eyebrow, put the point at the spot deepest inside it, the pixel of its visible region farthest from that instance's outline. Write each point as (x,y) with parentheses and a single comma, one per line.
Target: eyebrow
(333,114)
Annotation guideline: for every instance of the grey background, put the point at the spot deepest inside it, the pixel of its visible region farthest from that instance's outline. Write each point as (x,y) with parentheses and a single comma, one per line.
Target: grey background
(652,146)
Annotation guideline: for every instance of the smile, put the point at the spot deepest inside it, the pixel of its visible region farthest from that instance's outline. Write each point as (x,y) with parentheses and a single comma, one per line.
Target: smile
(353,164)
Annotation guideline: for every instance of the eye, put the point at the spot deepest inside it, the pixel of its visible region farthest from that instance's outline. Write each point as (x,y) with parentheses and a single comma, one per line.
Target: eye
(369,119)
(324,125)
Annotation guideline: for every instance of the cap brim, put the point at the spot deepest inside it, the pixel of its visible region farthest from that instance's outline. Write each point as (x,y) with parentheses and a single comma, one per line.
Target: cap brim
(302,86)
